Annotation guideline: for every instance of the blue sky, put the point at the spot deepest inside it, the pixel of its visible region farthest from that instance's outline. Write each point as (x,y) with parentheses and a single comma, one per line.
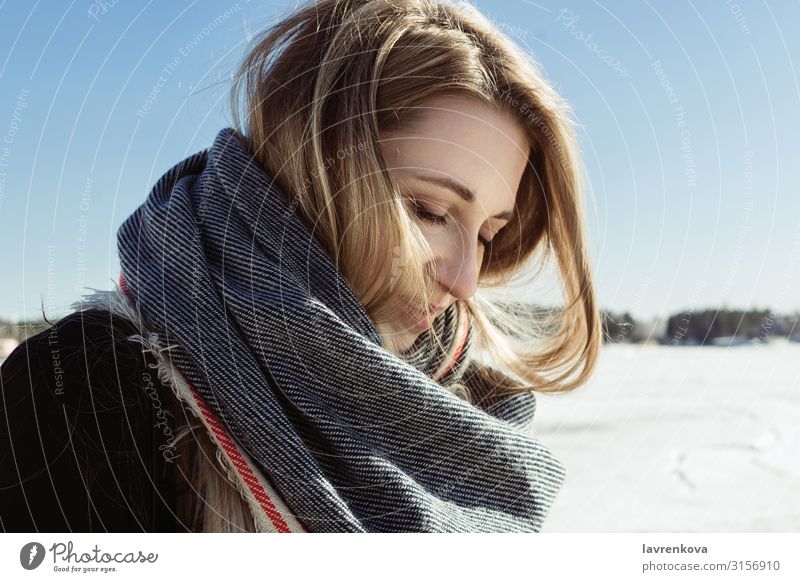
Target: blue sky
(688,123)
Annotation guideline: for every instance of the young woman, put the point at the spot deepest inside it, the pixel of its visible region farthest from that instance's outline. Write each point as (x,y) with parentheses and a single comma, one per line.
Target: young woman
(298,341)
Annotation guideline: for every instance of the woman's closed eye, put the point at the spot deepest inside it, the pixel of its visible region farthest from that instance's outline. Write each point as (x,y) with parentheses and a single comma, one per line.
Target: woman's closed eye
(423,214)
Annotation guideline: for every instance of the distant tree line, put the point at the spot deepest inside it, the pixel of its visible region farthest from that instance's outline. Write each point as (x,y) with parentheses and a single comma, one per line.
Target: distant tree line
(620,329)
(704,327)
(21,330)
(709,326)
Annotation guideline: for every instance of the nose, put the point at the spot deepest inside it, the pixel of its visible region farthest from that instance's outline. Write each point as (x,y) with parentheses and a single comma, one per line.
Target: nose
(458,268)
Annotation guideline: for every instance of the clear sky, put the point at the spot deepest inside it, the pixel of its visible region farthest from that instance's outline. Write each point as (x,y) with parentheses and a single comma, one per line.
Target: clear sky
(688,112)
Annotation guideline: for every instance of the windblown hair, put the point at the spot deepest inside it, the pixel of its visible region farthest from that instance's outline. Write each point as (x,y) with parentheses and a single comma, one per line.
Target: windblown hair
(320,87)
(313,97)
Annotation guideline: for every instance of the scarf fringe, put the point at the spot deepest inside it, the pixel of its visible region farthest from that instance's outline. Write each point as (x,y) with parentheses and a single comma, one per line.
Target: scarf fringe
(269,512)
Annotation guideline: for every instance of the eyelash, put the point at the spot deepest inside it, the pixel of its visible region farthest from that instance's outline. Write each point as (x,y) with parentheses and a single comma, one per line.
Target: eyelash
(429,217)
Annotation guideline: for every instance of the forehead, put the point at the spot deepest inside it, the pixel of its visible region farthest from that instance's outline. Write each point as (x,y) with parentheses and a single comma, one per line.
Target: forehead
(483,148)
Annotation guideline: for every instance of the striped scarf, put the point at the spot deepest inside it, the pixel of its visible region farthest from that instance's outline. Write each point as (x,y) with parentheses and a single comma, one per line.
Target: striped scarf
(269,333)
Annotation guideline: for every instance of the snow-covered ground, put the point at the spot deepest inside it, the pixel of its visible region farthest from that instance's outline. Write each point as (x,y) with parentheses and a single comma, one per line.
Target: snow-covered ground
(697,439)
(7,346)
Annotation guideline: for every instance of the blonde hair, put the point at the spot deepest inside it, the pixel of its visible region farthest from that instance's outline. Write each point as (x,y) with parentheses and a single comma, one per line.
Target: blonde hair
(206,498)
(320,87)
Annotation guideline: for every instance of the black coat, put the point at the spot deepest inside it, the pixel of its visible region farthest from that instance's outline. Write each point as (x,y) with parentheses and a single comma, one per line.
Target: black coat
(80,432)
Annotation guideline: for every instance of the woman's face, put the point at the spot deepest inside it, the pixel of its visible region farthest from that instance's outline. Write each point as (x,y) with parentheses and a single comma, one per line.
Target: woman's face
(460,168)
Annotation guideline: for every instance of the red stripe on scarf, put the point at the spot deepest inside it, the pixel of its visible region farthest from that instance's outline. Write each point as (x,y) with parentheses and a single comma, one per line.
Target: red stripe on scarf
(463,327)
(264,500)
(228,446)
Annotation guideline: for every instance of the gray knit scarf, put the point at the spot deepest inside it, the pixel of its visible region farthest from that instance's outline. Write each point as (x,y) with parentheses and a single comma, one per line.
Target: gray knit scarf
(354,438)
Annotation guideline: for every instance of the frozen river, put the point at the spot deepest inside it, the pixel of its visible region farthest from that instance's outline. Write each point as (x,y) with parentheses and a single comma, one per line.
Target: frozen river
(697,439)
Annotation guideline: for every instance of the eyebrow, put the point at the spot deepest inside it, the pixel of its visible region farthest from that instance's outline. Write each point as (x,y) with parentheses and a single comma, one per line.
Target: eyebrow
(463,192)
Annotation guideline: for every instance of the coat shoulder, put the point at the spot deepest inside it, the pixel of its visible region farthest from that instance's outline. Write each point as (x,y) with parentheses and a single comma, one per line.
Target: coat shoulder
(80,440)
